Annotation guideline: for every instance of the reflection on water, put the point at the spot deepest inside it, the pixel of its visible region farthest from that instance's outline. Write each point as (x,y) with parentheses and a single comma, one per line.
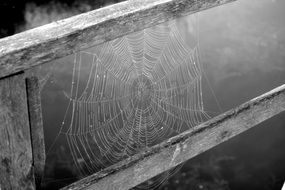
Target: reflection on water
(242,49)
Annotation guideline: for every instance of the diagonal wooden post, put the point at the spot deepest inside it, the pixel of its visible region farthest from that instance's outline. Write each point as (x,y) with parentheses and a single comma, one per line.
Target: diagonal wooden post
(170,153)
(64,37)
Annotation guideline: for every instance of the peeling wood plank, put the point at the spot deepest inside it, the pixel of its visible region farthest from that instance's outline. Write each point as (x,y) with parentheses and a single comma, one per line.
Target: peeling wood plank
(36,127)
(61,38)
(16,169)
(188,144)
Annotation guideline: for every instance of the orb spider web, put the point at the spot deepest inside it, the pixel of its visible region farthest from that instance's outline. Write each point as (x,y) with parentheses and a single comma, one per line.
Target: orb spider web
(130,94)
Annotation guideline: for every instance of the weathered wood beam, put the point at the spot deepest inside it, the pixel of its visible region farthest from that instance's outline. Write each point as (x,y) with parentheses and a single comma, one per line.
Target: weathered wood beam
(36,127)
(61,38)
(160,158)
(16,162)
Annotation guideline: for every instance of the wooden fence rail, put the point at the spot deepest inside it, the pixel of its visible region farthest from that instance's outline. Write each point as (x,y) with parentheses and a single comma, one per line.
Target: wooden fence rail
(58,39)
(179,149)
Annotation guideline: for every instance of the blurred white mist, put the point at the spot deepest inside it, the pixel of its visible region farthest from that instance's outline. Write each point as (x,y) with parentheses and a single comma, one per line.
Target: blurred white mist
(38,15)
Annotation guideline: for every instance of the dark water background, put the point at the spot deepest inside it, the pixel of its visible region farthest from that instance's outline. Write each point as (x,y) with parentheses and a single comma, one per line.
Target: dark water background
(243,55)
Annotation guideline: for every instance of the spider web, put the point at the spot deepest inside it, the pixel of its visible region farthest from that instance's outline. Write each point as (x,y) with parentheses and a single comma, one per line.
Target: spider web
(130,94)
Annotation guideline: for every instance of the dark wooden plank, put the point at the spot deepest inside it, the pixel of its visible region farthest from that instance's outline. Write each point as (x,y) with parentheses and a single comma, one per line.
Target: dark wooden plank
(181,148)
(16,164)
(36,127)
(64,37)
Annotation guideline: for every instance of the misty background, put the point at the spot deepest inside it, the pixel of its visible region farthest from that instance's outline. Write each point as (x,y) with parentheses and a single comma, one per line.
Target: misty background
(242,48)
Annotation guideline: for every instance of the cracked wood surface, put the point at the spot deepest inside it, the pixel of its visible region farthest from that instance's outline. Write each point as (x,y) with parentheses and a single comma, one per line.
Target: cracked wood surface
(36,127)
(179,149)
(64,37)
(16,162)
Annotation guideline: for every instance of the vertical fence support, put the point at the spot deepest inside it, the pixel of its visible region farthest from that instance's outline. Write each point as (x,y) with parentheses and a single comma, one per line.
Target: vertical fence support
(36,127)
(16,161)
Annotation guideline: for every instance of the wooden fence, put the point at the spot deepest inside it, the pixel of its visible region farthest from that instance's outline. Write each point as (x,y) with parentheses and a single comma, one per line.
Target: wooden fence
(22,154)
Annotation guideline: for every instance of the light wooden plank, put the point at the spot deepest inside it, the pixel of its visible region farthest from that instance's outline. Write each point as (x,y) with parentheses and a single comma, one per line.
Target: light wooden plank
(36,127)
(181,148)
(58,39)
(16,162)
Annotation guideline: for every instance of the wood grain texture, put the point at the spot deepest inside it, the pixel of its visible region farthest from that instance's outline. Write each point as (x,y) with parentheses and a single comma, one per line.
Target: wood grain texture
(16,169)
(61,38)
(188,144)
(36,127)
